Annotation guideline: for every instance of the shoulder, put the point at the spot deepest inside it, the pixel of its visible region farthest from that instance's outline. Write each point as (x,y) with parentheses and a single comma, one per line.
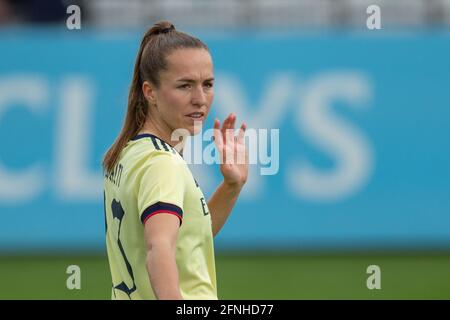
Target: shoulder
(150,153)
(152,143)
(149,148)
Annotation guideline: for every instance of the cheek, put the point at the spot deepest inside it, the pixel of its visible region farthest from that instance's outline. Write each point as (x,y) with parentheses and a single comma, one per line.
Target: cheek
(173,103)
(210,98)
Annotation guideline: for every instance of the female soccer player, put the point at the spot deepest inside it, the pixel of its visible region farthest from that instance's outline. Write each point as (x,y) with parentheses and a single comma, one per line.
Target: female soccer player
(159,228)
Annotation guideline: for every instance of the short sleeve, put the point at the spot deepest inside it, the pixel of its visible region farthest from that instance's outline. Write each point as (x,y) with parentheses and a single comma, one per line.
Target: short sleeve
(161,187)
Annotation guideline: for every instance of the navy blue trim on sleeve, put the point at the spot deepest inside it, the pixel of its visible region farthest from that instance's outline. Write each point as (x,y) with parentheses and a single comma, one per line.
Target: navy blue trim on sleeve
(161,207)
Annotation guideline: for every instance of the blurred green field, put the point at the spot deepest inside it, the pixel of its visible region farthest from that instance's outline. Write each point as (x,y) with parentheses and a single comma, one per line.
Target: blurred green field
(241,276)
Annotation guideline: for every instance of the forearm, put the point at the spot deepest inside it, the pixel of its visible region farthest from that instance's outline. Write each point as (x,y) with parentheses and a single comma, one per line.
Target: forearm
(163,273)
(221,204)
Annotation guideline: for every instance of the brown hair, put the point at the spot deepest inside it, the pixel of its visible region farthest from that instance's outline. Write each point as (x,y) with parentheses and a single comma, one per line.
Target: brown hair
(158,42)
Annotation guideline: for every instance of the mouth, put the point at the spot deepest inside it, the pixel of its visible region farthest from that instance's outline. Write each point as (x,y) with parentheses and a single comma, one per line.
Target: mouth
(198,116)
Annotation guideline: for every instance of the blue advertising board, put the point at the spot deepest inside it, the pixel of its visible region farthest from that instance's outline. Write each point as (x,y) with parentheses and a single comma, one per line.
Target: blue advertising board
(358,129)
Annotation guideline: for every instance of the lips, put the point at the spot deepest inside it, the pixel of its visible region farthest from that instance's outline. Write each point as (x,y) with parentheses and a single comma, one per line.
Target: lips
(196,115)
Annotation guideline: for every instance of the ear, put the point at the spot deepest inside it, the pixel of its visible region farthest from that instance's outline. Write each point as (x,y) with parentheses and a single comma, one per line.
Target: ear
(149,92)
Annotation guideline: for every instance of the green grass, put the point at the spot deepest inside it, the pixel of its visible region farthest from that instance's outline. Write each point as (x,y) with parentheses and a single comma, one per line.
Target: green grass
(283,276)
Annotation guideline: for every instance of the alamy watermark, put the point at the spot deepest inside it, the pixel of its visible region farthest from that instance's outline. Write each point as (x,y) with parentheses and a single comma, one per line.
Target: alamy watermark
(73,21)
(74,279)
(374,19)
(374,280)
(255,147)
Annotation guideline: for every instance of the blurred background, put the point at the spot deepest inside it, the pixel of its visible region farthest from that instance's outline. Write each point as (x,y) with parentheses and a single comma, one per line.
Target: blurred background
(360,95)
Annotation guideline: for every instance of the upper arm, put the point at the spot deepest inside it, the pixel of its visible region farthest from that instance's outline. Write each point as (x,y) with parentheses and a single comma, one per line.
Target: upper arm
(161,188)
(160,199)
(161,229)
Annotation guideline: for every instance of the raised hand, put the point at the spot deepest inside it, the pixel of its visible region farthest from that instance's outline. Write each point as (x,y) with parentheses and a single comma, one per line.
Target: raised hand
(232,151)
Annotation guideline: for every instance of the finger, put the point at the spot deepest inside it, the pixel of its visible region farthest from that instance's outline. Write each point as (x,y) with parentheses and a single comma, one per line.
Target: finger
(232,121)
(225,125)
(240,146)
(232,124)
(217,134)
(229,151)
(218,138)
(232,131)
(231,136)
(216,124)
(241,134)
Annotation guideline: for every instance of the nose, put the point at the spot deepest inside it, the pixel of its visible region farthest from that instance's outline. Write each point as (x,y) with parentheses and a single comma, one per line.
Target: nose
(198,97)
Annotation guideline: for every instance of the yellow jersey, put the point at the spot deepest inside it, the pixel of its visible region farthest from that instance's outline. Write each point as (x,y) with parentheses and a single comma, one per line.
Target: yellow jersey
(151,178)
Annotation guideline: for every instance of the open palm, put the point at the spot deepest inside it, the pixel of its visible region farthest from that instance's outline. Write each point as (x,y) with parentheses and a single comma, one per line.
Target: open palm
(232,151)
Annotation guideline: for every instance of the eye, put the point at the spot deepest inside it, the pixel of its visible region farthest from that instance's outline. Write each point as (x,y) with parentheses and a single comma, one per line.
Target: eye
(185,86)
(209,85)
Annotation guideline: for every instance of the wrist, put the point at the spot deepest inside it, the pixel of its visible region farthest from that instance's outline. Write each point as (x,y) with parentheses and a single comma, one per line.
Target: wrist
(233,186)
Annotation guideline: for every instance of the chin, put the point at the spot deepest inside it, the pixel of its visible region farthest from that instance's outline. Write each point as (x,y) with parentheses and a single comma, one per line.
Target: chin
(195,128)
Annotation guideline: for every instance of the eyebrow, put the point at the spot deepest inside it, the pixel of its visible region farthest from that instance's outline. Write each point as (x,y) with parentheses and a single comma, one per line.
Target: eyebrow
(189,80)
